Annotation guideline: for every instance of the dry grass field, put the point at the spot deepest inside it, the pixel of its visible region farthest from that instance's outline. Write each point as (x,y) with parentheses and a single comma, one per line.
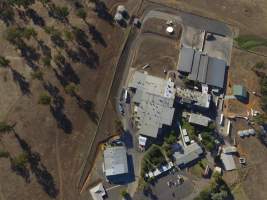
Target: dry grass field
(54,137)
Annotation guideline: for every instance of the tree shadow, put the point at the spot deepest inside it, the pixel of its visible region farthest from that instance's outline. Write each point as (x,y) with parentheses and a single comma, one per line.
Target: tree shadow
(30,54)
(44,178)
(22,82)
(45,49)
(7,14)
(88,107)
(69,74)
(57,108)
(57,41)
(73,55)
(35,17)
(21,171)
(89,58)
(102,11)
(63,121)
(97,36)
(81,38)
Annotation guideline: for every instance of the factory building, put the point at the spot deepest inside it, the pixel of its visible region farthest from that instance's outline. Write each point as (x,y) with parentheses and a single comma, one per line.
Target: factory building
(202,68)
(153,101)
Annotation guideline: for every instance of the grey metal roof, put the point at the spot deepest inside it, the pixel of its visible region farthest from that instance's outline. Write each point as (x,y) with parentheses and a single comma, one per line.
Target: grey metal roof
(216,72)
(153,112)
(115,161)
(154,98)
(228,162)
(199,119)
(194,72)
(185,59)
(203,67)
(189,154)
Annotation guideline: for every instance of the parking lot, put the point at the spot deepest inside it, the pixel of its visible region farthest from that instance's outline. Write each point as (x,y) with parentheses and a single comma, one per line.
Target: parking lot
(168,188)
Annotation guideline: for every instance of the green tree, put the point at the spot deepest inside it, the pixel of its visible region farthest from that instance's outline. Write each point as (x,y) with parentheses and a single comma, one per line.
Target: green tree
(21,3)
(28,33)
(4,62)
(44,99)
(4,154)
(4,127)
(59,58)
(70,88)
(20,161)
(6,13)
(124,193)
(81,13)
(37,75)
(58,12)
(68,35)
(46,61)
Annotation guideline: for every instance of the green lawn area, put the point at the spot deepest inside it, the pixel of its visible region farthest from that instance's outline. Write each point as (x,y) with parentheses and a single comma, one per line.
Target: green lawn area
(199,168)
(250,42)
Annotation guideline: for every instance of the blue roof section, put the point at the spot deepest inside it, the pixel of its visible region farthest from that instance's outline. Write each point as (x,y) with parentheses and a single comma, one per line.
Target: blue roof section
(216,72)
(186,59)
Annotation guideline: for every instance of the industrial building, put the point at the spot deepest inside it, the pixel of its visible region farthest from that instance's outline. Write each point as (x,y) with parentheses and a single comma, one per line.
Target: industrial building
(188,154)
(98,192)
(115,162)
(198,119)
(201,67)
(193,98)
(240,92)
(152,100)
(228,162)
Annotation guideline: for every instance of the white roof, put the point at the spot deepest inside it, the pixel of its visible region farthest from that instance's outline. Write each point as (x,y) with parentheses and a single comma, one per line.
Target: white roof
(115,161)
(170,29)
(199,119)
(184,131)
(98,192)
(228,162)
(142,140)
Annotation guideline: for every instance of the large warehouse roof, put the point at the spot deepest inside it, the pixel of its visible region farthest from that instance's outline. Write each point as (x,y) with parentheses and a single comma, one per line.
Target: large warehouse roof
(189,154)
(186,59)
(216,72)
(115,161)
(202,67)
(154,98)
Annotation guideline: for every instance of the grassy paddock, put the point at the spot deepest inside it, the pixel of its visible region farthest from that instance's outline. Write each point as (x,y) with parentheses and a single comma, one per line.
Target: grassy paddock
(249,42)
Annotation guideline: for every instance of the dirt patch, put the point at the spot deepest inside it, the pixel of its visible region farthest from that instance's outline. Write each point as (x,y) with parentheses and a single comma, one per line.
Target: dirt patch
(240,72)
(150,52)
(159,26)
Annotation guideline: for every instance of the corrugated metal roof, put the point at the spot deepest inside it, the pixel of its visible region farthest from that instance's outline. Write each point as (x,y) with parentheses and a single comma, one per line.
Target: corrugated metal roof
(203,67)
(185,59)
(189,154)
(216,72)
(194,72)
(199,119)
(115,161)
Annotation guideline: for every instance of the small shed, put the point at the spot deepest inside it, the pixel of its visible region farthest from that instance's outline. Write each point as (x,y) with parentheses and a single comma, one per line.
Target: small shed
(240,92)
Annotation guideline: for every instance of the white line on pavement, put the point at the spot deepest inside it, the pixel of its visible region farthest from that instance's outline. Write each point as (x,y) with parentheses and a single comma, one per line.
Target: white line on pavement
(113,187)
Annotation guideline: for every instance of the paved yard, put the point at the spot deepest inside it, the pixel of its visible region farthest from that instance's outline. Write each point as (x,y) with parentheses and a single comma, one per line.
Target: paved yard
(161,190)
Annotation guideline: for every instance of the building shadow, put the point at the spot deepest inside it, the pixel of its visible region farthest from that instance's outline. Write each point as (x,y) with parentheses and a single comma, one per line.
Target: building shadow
(127,138)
